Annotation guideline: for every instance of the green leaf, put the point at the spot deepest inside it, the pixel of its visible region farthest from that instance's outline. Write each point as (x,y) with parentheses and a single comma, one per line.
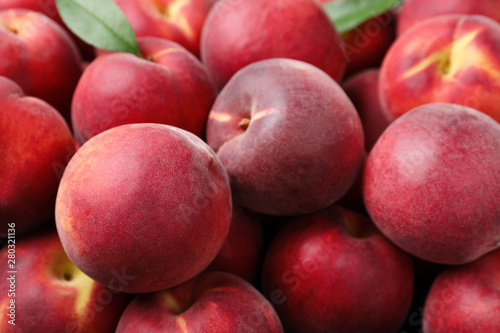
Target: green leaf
(348,14)
(100,23)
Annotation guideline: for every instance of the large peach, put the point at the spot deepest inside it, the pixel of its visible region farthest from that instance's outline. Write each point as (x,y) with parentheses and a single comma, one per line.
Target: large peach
(150,201)
(238,33)
(332,271)
(288,136)
(39,56)
(448,59)
(211,302)
(169,86)
(49,8)
(45,292)
(432,183)
(178,20)
(414,11)
(466,298)
(36,144)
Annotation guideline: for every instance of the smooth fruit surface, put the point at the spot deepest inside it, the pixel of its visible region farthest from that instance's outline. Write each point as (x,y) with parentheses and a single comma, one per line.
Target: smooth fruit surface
(465,298)
(39,56)
(211,302)
(147,200)
(445,59)
(432,183)
(288,136)
(170,86)
(332,271)
(36,144)
(49,294)
(238,33)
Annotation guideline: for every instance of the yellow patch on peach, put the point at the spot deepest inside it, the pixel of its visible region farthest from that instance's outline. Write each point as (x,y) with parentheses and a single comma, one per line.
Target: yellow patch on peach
(183,23)
(68,275)
(181,323)
(173,12)
(166,51)
(222,117)
(175,7)
(463,53)
(442,57)
(261,114)
(455,57)
(172,303)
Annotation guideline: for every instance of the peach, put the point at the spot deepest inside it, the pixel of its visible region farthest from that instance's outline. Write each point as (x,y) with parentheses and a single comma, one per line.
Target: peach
(447,59)
(431,183)
(465,298)
(49,8)
(45,292)
(149,201)
(242,251)
(288,136)
(414,11)
(36,144)
(238,33)
(178,20)
(212,302)
(39,56)
(333,271)
(169,86)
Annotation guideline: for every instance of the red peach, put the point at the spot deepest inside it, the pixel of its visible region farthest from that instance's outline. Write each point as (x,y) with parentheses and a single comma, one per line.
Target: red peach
(178,20)
(47,293)
(431,183)
(170,86)
(49,8)
(288,136)
(212,302)
(457,64)
(39,56)
(149,201)
(238,33)
(413,12)
(36,144)
(466,298)
(333,271)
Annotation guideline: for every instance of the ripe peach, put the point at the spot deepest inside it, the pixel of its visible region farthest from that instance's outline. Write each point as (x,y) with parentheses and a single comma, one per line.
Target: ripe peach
(151,201)
(458,64)
(211,302)
(332,271)
(238,33)
(431,183)
(36,144)
(465,298)
(414,11)
(178,20)
(288,136)
(39,56)
(47,293)
(170,86)
(49,8)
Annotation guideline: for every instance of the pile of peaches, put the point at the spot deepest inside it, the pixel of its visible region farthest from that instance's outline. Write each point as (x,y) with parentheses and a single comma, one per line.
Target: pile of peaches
(251,170)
